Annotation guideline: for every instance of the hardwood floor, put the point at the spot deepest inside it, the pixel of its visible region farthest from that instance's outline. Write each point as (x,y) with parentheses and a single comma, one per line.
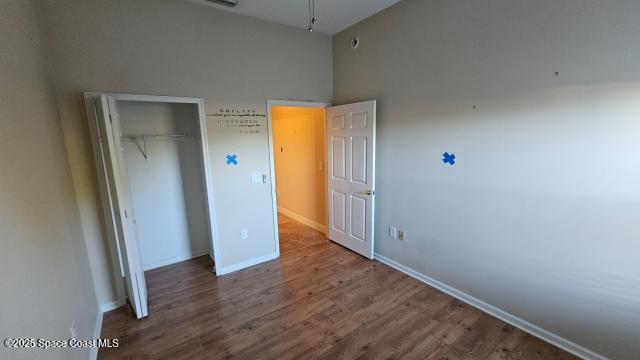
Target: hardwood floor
(295,236)
(320,302)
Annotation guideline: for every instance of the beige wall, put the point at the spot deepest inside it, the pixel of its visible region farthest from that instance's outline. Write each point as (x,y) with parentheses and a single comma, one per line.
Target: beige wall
(46,279)
(172,47)
(539,216)
(299,156)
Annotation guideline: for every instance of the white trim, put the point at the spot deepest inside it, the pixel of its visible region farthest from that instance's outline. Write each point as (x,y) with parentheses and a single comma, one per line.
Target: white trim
(246,264)
(93,353)
(524,325)
(274,205)
(106,208)
(161,263)
(303,220)
(148,98)
(208,174)
(106,307)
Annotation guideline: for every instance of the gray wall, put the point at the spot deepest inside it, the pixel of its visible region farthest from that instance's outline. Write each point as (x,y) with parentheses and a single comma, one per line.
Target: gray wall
(46,281)
(170,47)
(539,216)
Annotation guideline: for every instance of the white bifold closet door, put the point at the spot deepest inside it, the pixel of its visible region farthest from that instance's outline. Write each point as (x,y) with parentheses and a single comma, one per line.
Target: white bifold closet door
(351,150)
(120,199)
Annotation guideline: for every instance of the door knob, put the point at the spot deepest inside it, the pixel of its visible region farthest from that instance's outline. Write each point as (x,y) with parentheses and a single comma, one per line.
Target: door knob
(368,192)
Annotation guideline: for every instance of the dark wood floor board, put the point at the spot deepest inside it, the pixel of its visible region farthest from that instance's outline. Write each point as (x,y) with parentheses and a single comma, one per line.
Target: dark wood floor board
(414,336)
(272,323)
(480,338)
(380,332)
(320,301)
(505,349)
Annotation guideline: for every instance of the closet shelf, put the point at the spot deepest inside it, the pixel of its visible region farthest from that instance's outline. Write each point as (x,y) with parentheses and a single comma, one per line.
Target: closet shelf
(137,139)
(157,137)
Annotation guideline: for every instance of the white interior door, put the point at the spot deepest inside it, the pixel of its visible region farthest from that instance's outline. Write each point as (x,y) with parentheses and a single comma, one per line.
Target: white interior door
(120,199)
(351,137)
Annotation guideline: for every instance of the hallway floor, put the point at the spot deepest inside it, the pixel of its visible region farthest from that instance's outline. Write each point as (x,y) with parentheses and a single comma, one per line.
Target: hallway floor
(295,236)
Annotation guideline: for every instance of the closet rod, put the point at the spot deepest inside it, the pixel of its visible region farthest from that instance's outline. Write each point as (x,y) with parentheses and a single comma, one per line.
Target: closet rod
(144,138)
(157,137)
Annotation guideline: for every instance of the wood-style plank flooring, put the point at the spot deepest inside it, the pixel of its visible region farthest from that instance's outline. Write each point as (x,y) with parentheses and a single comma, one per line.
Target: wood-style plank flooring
(295,236)
(319,302)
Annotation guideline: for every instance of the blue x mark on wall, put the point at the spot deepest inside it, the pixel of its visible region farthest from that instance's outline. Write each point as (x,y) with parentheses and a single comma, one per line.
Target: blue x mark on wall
(232,159)
(449,158)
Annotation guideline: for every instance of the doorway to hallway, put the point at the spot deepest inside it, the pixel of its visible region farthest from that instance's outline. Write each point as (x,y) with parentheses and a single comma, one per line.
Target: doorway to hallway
(328,179)
(299,149)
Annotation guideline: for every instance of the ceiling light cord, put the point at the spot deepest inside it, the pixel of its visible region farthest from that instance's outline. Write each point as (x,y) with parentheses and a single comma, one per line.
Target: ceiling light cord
(312,14)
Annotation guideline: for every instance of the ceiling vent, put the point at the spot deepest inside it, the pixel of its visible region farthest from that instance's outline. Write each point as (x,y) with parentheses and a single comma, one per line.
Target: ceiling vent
(229,3)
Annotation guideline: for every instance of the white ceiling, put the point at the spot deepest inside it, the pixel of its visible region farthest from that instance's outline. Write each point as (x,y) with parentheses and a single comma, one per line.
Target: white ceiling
(333,16)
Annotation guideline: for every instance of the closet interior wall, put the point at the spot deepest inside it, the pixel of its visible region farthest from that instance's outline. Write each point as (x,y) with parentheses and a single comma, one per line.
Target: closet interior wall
(166,180)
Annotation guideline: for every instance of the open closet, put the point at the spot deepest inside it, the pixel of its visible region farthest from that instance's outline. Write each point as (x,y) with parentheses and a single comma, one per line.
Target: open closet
(153,169)
(164,165)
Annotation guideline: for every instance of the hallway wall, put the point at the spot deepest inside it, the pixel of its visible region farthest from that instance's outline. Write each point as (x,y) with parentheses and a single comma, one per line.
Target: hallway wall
(300,157)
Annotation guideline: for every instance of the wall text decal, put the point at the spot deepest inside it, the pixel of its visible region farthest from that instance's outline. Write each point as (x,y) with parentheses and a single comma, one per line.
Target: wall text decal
(239,120)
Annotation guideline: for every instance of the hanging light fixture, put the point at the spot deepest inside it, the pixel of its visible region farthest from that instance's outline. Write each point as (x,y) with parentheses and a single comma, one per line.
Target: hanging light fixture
(312,14)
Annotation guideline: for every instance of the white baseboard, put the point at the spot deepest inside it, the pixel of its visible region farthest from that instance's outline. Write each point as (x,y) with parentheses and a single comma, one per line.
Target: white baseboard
(303,220)
(245,264)
(93,353)
(111,305)
(524,325)
(161,263)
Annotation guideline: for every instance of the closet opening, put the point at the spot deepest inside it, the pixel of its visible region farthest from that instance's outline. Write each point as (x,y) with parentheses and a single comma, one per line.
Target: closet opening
(161,145)
(153,167)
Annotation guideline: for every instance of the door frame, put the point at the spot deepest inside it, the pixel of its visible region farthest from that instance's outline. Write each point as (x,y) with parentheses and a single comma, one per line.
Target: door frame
(274,203)
(89,98)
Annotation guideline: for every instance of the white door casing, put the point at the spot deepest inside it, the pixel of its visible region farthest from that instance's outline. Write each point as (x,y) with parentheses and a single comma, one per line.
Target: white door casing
(109,134)
(351,141)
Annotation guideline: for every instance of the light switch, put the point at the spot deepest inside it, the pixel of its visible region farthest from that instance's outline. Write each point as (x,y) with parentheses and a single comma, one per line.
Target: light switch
(257,178)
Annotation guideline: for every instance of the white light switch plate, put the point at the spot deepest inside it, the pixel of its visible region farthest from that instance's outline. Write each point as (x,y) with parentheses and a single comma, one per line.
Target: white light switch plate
(256,178)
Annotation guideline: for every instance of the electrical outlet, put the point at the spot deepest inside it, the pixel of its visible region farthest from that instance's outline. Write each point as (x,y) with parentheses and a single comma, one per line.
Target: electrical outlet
(243,234)
(401,235)
(392,232)
(74,331)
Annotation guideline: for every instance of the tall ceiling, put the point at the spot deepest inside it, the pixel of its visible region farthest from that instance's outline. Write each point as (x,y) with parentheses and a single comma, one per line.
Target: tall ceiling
(333,15)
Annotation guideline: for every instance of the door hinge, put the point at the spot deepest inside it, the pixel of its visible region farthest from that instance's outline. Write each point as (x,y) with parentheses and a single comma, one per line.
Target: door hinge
(110,118)
(125,214)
